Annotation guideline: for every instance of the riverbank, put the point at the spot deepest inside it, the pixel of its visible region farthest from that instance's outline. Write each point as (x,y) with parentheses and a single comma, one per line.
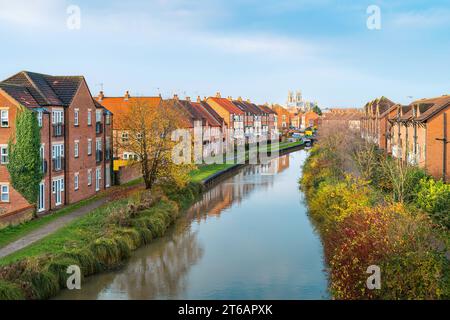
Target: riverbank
(363,225)
(99,241)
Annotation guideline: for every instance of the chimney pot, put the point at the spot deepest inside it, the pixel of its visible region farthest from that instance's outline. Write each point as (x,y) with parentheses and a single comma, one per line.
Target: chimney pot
(127,95)
(218,94)
(175,96)
(101,96)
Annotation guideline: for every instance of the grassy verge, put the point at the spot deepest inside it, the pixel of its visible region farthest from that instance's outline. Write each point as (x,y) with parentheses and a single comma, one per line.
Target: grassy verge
(13,233)
(205,171)
(101,240)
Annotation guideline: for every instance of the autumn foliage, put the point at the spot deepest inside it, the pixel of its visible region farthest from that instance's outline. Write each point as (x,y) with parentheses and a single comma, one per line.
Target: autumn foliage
(362,225)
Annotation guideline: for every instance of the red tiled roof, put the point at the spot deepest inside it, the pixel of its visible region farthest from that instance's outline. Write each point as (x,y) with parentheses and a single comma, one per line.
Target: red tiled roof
(119,106)
(205,113)
(227,105)
(266,109)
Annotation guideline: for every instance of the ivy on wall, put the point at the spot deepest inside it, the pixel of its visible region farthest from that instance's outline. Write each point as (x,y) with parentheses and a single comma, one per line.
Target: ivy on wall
(25,166)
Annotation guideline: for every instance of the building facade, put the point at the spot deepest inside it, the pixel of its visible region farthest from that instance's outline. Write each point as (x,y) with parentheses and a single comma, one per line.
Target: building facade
(76,139)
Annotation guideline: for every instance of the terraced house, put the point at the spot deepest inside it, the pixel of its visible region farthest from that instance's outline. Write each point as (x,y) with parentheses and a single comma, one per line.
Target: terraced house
(420,134)
(417,133)
(232,115)
(75,136)
(375,121)
(201,119)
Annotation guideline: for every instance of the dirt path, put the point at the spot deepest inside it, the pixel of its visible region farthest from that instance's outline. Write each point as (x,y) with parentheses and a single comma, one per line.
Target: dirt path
(55,225)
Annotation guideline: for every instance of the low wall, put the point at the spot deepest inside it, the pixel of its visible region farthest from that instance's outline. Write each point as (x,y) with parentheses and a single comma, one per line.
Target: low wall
(16,217)
(127,173)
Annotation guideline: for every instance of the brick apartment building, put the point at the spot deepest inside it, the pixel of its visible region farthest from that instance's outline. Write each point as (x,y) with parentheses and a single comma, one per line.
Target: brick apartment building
(75,135)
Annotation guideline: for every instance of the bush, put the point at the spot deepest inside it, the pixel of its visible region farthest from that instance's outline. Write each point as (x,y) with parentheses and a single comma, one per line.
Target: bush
(401,244)
(434,198)
(10,291)
(333,202)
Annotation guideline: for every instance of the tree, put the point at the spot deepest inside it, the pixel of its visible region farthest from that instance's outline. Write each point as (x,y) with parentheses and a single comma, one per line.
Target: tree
(25,163)
(149,132)
(317,110)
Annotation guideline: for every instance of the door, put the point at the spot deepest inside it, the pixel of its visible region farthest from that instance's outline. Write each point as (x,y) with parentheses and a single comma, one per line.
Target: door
(41,202)
(98,177)
(58,188)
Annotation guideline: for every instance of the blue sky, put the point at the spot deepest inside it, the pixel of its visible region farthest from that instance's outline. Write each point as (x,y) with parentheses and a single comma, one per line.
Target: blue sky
(256,49)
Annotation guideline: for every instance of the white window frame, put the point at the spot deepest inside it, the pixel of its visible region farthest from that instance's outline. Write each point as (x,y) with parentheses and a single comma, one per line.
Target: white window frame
(3,193)
(89,147)
(39,118)
(76,117)
(76,181)
(57,116)
(41,197)
(4,117)
(98,116)
(89,177)
(4,147)
(76,151)
(107,176)
(89,117)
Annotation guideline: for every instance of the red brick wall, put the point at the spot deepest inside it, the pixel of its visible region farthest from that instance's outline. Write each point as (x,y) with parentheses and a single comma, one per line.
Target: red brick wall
(434,148)
(16,201)
(128,173)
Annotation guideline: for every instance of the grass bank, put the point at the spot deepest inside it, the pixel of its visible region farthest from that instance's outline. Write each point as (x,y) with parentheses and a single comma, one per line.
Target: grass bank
(99,241)
(12,233)
(361,226)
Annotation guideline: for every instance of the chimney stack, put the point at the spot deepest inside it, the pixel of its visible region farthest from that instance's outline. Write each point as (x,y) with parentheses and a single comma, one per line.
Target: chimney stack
(239,98)
(175,96)
(100,96)
(127,95)
(230,98)
(188,99)
(199,99)
(218,94)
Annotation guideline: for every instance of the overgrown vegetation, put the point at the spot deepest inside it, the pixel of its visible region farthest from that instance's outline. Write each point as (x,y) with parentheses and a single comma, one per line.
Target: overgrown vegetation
(372,210)
(99,241)
(24,166)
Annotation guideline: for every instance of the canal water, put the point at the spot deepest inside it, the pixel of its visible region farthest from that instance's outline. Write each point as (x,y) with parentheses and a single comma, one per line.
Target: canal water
(249,237)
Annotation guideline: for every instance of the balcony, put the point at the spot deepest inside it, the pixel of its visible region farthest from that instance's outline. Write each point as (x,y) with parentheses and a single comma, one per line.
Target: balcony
(98,128)
(58,130)
(58,164)
(99,156)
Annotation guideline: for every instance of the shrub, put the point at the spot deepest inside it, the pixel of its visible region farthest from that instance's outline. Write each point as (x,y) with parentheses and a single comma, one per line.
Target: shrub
(434,198)
(334,202)
(401,244)
(10,291)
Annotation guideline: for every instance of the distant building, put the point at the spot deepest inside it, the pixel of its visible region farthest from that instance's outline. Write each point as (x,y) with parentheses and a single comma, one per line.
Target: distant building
(295,101)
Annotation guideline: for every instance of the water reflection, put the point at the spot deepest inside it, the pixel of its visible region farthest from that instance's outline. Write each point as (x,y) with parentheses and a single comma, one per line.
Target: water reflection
(234,190)
(246,238)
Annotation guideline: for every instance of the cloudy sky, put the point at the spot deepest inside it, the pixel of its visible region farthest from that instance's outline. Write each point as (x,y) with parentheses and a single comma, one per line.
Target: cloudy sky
(257,49)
